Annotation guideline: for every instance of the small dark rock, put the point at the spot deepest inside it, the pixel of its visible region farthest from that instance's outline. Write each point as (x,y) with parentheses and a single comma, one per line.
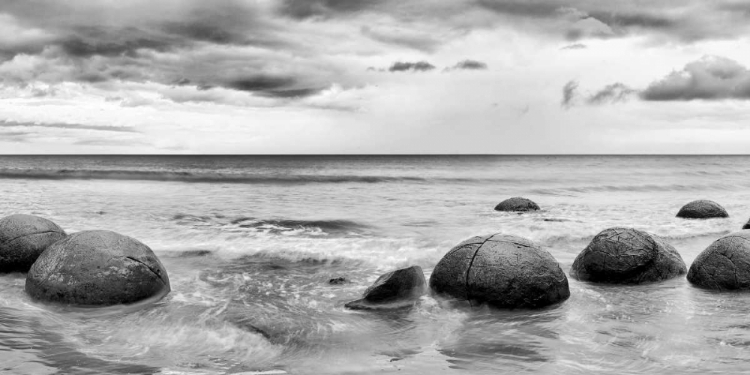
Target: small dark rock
(702,209)
(501,271)
(338,281)
(97,268)
(517,204)
(724,265)
(395,289)
(23,238)
(627,256)
(747,225)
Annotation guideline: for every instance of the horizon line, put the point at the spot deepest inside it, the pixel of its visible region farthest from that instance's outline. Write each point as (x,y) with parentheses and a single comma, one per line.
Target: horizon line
(389,155)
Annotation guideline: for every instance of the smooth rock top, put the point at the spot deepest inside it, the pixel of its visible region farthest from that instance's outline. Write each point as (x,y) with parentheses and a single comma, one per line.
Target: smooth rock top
(517,204)
(394,289)
(502,271)
(23,238)
(702,209)
(627,256)
(724,265)
(97,268)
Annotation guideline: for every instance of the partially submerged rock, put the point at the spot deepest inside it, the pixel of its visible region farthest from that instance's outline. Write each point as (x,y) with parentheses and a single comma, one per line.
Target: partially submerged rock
(702,209)
(338,281)
(502,271)
(517,204)
(395,289)
(23,238)
(97,268)
(627,256)
(724,265)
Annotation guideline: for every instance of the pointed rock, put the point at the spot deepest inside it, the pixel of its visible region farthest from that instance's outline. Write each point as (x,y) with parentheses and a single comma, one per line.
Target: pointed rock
(395,289)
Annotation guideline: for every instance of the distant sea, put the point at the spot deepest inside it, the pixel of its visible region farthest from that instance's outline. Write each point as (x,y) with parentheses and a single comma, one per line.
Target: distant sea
(250,243)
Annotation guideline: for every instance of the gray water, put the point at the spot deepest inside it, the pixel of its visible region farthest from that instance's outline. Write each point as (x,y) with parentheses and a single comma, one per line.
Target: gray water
(251,242)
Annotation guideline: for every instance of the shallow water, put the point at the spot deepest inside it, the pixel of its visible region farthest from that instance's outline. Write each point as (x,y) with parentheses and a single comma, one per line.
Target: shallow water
(251,242)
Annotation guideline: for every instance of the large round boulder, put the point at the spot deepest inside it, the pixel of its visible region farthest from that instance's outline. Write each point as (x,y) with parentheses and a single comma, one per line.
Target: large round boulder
(724,265)
(627,256)
(97,268)
(517,204)
(399,288)
(23,238)
(702,209)
(501,271)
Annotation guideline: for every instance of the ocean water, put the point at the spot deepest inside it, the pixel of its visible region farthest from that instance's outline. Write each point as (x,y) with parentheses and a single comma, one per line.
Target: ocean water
(250,243)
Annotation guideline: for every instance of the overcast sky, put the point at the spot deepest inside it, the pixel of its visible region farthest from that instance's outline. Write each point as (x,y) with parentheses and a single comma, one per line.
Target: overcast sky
(366,76)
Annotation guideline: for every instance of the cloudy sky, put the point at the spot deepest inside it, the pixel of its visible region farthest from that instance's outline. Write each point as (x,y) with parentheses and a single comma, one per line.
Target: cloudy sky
(367,76)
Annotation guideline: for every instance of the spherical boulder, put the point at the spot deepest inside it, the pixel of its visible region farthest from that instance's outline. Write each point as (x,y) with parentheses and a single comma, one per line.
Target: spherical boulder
(724,265)
(501,271)
(517,204)
(396,289)
(627,256)
(97,268)
(23,238)
(702,209)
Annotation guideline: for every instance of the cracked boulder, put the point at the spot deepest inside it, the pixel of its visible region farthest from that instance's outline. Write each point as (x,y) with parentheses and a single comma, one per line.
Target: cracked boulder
(501,271)
(97,268)
(627,256)
(724,265)
(23,238)
(702,209)
(517,204)
(400,288)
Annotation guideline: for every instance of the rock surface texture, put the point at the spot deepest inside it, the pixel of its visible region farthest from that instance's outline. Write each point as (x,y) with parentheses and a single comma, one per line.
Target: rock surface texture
(724,265)
(702,209)
(393,290)
(627,256)
(23,238)
(517,204)
(501,271)
(97,268)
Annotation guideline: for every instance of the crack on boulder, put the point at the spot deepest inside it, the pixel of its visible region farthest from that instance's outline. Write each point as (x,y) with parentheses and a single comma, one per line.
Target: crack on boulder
(468,269)
(155,272)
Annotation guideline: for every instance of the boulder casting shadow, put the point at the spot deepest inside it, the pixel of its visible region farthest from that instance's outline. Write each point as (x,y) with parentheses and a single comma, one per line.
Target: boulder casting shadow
(23,238)
(501,271)
(517,204)
(97,268)
(702,209)
(397,289)
(724,265)
(627,256)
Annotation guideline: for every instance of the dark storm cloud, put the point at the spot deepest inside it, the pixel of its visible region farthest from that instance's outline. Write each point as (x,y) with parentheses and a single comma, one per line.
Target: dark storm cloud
(273,86)
(611,94)
(469,65)
(569,93)
(118,129)
(689,20)
(312,8)
(710,78)
(419,66)
(188,43)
